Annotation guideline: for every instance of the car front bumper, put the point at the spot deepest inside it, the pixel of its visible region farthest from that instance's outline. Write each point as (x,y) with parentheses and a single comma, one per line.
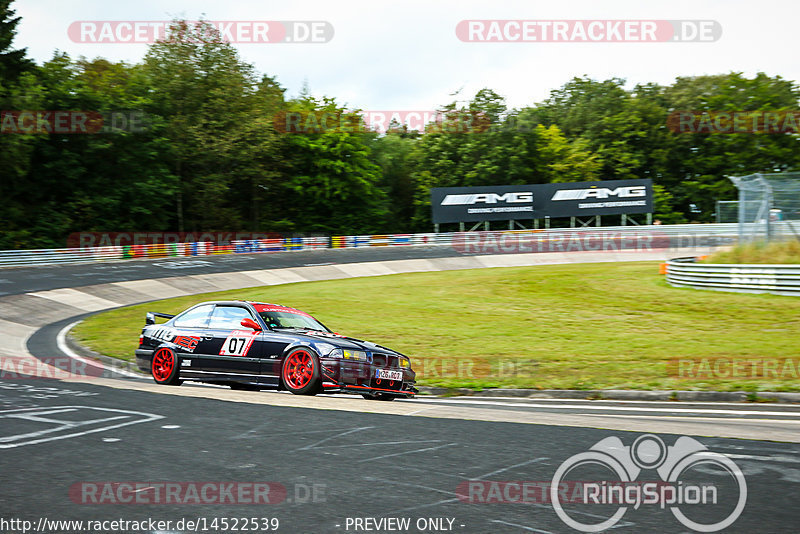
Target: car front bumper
(361,377)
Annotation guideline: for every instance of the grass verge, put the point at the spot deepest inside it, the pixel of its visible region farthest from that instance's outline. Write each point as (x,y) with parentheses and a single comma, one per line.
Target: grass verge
(590,326)
(759,252)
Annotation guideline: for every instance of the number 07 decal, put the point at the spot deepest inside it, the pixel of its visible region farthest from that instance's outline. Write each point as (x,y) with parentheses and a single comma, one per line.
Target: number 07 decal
(238,343)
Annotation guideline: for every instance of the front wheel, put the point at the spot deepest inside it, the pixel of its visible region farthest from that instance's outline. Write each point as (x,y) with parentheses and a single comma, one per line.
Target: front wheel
(300,372)
(164,367)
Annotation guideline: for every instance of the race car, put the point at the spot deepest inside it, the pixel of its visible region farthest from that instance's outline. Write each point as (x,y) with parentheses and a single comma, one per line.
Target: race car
(253,345)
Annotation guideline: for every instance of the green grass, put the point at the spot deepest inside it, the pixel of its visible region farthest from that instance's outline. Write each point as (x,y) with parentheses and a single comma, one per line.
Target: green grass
(775,253)
(613,325)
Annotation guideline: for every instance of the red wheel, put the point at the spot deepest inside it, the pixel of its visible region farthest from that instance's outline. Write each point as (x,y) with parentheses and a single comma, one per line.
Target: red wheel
(165,367)
(301,372)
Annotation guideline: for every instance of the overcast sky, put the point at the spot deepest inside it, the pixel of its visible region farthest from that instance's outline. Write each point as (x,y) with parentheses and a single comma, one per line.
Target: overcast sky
(405,55)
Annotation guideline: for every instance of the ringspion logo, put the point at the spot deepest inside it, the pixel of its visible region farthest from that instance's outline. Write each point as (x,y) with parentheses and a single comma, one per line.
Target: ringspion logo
(675,491)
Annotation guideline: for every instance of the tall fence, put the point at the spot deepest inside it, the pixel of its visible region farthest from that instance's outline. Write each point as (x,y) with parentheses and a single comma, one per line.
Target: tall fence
(768,207)
(561,240)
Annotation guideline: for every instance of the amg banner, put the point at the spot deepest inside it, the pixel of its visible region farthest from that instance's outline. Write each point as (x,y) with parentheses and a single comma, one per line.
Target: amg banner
(491,203)
(507,202)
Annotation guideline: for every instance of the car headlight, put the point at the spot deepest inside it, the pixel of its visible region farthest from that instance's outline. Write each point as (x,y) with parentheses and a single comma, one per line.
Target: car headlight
(404,362)
(347,354)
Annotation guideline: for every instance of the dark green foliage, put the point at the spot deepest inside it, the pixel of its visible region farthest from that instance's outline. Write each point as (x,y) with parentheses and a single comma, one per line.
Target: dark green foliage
(212,159)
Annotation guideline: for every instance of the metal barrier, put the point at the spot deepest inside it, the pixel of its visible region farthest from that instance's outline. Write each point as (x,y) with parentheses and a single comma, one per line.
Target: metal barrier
(661,236)
(745,278)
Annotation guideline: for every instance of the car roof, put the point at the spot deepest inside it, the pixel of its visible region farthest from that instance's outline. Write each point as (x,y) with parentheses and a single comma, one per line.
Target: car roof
(265,306)
(258,306)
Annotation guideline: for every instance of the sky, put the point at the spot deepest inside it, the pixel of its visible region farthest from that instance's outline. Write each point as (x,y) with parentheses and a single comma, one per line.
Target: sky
(406,55)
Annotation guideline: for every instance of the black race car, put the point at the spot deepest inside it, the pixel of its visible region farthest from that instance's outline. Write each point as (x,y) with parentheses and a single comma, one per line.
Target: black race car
(252,345)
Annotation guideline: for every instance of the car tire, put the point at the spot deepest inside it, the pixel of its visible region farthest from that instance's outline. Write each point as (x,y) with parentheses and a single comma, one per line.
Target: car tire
(300,372)
(378,396)
(164,367)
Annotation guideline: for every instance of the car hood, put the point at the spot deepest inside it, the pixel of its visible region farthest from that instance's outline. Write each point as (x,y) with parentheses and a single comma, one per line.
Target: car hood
(345,342)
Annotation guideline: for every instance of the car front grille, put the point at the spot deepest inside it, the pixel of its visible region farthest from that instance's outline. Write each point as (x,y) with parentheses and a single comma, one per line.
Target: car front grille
(384,360)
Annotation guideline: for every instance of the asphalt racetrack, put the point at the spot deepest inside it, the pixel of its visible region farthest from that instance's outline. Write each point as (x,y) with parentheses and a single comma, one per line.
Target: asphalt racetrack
(124,449)
(21,280)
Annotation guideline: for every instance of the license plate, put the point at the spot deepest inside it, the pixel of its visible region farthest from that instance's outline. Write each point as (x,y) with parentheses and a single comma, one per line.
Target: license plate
(388,374)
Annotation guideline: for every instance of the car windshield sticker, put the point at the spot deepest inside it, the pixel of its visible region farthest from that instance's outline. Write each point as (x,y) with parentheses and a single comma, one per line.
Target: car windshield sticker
(263,308)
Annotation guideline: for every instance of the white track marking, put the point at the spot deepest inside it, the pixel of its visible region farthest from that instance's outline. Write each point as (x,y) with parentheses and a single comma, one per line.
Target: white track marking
(76,299)
(687,418)
(61,342)
(31,414)
(534,461)
(523,527)
(378,443)
(340,434)
(407,452)
(408,484)
(611,408)
(598,401)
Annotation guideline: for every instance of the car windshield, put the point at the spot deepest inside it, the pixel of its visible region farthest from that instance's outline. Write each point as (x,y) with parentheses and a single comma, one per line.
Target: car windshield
(283,319)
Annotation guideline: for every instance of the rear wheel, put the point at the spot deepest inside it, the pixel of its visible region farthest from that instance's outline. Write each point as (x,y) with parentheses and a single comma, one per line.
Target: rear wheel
(378,396)
(300,373)
(164,367)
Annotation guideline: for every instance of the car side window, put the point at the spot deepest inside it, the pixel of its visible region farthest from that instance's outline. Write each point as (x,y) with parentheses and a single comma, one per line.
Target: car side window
(228,317)
(194,318)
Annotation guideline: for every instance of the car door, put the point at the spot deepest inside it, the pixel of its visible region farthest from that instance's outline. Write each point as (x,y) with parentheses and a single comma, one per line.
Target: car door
(189,332)
(273,346)
(232,351)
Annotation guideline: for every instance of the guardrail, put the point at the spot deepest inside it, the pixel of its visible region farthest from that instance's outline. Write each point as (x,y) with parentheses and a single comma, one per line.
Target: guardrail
(497,241)
(743,278)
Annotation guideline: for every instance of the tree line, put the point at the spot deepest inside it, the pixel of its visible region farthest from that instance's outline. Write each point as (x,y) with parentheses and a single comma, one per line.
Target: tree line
(211,157)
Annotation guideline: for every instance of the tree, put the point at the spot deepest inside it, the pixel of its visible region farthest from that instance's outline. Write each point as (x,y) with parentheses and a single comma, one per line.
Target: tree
(501,147)
(698,164)
(12,62)
(208,99)
(331,183)
(393,153)
(115,179)
(18,90)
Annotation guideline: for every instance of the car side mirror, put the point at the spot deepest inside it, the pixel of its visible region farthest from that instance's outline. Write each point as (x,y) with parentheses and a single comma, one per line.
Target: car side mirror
(249,323)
